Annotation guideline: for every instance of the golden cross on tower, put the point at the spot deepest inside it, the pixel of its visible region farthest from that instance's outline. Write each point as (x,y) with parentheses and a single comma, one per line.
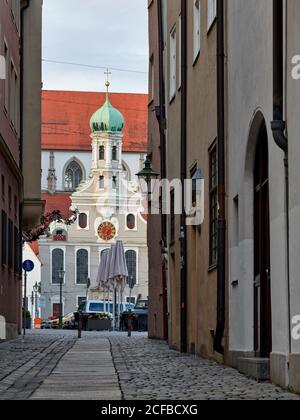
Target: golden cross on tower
(107,83)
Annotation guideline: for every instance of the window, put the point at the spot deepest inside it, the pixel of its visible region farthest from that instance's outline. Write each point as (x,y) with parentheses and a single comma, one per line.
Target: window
(6,82)
(131,264)
(173,63)
(73,176)
(130,221)
(82,266)
(131,299)
(213,205)
(197,28)
(101,153)
(10,244)
(3,187)
(101,182)
(114,182)
(114,153)
(83,221)
(17,251)
(9,197)
(80,301)
(211,12)
(3,238)
(151,79)
(57,265)
(56,310)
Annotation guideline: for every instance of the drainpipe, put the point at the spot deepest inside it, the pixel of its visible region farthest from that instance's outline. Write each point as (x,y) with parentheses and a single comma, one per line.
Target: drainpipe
(278,125)
(221,280)
(162,126)
(183,229)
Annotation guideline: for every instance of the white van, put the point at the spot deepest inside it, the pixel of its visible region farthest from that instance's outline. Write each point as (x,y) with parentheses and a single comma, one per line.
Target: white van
(99,306)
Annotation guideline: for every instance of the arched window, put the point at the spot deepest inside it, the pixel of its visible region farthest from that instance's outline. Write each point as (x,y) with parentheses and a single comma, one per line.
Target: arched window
(101,153)
(131,264)
(82,266)
(114,153)
(73,176)
(83,220)
(57,265)
(130,221)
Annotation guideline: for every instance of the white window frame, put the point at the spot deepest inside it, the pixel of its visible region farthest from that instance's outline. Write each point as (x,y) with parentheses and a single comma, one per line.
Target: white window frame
(211,13)
(132,248)
(173,64)
(63,248)
(88,249)
(88,220)
(196,29)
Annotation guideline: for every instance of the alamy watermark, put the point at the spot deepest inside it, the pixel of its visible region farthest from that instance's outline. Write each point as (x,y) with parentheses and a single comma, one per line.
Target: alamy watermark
(296,327)
(158,197)
(296,67)
(2,68)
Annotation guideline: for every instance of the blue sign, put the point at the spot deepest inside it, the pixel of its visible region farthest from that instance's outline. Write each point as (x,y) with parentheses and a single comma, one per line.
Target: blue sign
(28,266)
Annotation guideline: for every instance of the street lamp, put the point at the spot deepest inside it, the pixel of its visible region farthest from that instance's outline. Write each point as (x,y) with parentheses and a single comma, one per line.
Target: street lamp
(147,174)
(36,289)
(61,275)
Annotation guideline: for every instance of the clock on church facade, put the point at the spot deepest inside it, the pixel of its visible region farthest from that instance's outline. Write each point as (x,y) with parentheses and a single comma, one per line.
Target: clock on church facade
(107,231)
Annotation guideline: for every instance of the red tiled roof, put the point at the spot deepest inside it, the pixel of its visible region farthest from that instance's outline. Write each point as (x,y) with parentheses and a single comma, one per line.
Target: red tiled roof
(35,247)
(61,202)
(66,119)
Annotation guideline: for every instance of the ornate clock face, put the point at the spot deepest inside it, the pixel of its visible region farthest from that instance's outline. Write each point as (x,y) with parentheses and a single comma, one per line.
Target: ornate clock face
(107,231)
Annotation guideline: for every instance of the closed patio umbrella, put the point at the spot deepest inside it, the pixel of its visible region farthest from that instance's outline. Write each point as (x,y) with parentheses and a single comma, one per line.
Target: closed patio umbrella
(118,272)
(103,271)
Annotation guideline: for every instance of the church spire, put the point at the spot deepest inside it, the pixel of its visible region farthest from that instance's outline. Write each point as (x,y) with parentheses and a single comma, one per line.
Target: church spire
(107,83)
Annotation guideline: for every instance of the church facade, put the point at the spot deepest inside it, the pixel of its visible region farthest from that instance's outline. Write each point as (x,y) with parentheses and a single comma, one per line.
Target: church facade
(92,170)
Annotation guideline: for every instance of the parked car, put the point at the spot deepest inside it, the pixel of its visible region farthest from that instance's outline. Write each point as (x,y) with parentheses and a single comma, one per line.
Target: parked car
(67,323)
(139,315)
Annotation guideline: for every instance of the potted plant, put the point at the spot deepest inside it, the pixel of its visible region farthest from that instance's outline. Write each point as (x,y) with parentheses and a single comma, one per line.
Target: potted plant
(99,322)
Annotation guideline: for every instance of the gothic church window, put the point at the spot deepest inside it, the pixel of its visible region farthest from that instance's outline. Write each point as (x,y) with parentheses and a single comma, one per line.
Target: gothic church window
(73,176)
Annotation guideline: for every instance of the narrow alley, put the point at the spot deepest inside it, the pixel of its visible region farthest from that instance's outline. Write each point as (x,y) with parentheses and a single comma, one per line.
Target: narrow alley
(110,366)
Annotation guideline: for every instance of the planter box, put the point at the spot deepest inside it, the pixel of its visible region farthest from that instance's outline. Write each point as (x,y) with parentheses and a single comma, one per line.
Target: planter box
(98,325)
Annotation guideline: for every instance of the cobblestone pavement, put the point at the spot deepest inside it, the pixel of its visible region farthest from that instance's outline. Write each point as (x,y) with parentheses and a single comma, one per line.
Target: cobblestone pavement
(149,370)
(25,364)
(146,370)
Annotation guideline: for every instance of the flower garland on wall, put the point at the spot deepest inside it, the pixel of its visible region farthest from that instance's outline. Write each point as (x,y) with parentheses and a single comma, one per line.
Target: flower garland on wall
(42,229)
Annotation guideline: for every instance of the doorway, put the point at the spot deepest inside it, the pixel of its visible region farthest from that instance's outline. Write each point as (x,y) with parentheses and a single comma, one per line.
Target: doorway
(262,273)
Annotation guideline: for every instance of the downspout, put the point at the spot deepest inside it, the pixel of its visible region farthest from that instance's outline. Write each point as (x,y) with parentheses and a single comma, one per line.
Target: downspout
(278,125)
(221,276)
(183,229)
(24,6)
(162,126)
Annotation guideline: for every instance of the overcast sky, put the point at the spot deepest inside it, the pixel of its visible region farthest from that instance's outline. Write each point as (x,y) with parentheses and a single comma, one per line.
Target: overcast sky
(99,33)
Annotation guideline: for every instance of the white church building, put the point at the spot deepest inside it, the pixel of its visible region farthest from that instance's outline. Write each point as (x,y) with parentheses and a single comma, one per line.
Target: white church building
(90,160)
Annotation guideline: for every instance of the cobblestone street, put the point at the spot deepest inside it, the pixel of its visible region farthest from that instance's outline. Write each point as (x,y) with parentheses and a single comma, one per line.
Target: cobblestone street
(103,366)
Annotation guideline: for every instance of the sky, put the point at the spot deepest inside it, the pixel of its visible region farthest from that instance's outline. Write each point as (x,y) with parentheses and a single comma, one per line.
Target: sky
(97,33)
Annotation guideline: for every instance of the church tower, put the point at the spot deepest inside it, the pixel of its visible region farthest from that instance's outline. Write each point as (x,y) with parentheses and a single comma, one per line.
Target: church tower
(107,125)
